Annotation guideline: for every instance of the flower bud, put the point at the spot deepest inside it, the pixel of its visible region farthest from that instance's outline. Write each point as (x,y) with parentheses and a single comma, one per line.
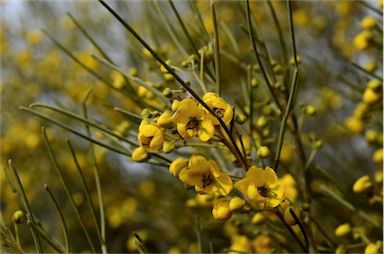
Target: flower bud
(18,217)
(343,230)
(236,203)
(221,210)
(168,147)
(140,154)
(263,152)
(165,120)
(257,218)
(177,165)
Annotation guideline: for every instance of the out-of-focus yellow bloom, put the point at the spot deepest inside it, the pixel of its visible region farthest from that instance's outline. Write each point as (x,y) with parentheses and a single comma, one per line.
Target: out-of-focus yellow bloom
(290,190)
(372,248)
(150,136)
(378,156)
(340,249)
(262,187)
(240,244)
(360,110)
(363,40)
(122,127)
(236,203)
(220,107)
(192,121)
(374,84)
(368,22)
(177,165)
(87,59)
(34,37)
(262,244)
(117,79)
(370,96)
(257,218)
(310,110)
(343,230)
(263,152)
(301,17)
(286,153)
(24,58)
(131,241)
(165,120)
(221,210)
(144,92)
(362,184)
(261,122)
(370,66)
(206,176)
(288,218)
(147,188)
(354,124)
(371,136)
(140,154)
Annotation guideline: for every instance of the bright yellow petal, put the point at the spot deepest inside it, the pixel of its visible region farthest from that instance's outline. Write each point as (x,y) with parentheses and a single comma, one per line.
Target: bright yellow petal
(224,184)
(206,130)
(270,177)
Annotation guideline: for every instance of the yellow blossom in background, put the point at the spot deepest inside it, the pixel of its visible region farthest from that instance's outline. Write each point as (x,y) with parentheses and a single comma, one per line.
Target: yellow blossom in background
(362,184)
(343,230)
(373,248)
(262,244)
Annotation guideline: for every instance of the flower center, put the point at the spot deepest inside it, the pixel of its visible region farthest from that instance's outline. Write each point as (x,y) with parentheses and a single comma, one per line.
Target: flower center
(146,141)
(263,191)
(207,179)
(219,111)
(192,123)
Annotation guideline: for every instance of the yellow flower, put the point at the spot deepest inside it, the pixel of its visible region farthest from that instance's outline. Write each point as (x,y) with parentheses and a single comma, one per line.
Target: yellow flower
(165,120)
(192,121)
(177,165)
(257,218)
(221,210)
(236,203)
(150,136)
(263,152)
(290,190)
(362,184)
(368,22)
(370,96)
(220,107)
(343,230)
(262,187)
(206,176)
(240,244)
(354,124)
(378,156)
(140,154)
(262,244)
(362,40)
(117,79)
(372,248)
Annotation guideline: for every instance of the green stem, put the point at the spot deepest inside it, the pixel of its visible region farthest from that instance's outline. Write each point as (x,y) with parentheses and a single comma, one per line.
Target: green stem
(285,118)
(61,216)
(217,50)
(27,207)
(98,184)
(251,37)
(68,193)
